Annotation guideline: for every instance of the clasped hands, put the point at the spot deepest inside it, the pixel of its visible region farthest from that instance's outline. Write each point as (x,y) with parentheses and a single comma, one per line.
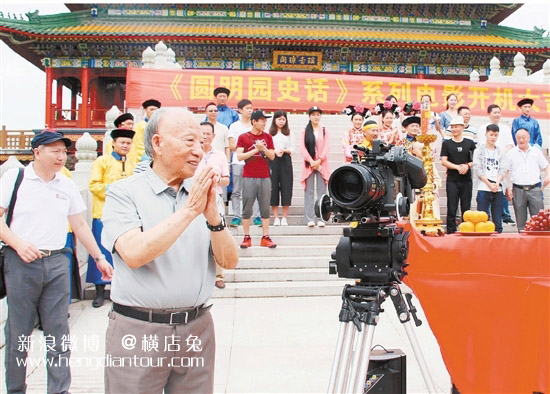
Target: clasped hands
(463,168)
(315,164)
(202,196)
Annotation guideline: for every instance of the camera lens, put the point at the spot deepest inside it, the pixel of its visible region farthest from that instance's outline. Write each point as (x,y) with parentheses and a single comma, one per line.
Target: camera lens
(355,186)
(349,185)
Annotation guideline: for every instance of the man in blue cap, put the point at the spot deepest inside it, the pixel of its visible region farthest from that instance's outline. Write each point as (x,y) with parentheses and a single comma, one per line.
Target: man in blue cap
(36,266)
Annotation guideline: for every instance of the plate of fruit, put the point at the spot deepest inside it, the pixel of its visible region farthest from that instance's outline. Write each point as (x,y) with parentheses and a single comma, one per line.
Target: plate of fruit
(538,224)
(476,224)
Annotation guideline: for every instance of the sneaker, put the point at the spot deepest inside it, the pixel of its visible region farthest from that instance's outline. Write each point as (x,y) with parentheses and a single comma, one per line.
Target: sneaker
(220,284)
(267,242)
(508,220)
(321,223)
(236,222)
(277,222)
(284,222)
(247,242)
(257,221)
(311,224)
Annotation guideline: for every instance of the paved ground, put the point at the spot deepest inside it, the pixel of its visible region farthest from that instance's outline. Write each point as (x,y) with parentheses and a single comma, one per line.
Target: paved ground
(264,345)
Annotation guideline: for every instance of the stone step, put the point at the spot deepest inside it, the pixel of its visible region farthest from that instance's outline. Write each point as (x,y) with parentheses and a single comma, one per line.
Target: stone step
(282,262)
(299,240)
(329,229)
(278,275)
(280,289)
(292,220)
(284,251)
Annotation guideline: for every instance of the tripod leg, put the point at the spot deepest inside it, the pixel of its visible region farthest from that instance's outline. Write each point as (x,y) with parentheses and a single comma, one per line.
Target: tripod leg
(420,357)
(337,354)
(365,357)
(358,352)
(345,358)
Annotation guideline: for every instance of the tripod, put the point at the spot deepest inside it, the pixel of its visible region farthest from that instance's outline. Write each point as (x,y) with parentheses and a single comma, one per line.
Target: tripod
(361,306)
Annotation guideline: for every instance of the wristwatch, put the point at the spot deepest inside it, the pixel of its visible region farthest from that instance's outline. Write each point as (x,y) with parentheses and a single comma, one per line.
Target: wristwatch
(219,227)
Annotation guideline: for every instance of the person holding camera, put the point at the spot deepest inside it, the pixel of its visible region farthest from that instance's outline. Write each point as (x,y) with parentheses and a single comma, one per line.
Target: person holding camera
(256,148)
(315,148)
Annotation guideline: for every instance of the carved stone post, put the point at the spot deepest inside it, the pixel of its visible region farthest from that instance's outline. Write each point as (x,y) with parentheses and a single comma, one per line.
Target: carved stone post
(110,117)
(494,74)
(12,162)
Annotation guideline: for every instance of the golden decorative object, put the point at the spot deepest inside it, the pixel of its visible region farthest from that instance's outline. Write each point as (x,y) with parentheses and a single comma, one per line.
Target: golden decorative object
(427,223)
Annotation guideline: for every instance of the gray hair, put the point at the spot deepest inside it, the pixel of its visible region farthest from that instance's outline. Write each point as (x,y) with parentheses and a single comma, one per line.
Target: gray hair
(151,129)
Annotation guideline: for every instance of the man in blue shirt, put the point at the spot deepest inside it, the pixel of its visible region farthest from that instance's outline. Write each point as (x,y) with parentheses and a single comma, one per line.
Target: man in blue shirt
(525,121)
(226,115)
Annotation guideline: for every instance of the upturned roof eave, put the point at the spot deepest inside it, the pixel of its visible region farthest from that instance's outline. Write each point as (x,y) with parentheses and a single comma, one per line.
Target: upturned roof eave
(269,40)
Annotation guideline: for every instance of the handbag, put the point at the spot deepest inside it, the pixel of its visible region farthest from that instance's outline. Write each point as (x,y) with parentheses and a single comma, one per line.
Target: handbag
(8,222)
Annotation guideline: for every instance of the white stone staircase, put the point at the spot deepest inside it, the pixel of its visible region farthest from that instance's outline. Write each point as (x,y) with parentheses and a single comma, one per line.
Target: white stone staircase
(299,264)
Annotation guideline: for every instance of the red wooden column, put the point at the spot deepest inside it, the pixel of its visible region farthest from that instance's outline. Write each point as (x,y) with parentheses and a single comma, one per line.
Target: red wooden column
(59,101)
(73,103)
(93,100)
(49,112)
(85,108)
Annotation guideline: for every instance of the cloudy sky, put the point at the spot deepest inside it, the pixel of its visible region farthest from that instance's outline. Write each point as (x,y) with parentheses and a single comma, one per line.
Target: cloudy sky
(22,85)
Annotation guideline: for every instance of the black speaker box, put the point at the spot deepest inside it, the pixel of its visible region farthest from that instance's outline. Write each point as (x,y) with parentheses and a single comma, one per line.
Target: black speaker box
(387,372)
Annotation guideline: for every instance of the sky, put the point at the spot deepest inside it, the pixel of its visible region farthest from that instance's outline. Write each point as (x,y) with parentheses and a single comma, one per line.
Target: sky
(22,85)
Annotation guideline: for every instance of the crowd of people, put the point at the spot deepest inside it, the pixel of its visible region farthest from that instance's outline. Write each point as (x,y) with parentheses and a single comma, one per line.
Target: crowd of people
(161,191)
(254,167)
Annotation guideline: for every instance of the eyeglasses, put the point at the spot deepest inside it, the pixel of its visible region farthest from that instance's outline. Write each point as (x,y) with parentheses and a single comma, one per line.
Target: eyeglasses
(212,110)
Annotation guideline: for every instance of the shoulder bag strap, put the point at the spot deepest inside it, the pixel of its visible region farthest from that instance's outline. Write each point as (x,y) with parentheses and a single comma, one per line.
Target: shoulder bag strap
(14,196)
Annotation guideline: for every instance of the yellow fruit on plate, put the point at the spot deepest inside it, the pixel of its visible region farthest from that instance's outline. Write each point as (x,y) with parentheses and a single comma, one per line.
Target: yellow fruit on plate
(479,216)
(468,216)
(485,227)
(466,227)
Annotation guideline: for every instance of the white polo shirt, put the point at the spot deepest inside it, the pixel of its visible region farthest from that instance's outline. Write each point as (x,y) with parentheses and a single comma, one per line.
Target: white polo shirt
(42,208)
(524,167)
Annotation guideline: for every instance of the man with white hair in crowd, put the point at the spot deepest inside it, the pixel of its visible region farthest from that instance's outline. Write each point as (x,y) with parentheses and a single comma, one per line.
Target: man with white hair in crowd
(523,165)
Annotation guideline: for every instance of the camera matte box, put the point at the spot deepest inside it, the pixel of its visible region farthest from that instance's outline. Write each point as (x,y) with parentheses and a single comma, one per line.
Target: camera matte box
(387,372)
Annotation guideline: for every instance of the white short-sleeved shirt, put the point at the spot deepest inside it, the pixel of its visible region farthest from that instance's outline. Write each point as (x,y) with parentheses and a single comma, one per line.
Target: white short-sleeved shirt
(235,130)
(490,164)
(504,136)
(221,137)
(281,141)
(42,208)
(524,167)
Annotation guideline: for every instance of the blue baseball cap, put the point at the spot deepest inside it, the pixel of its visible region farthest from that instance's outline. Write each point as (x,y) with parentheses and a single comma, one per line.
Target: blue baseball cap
(47,137)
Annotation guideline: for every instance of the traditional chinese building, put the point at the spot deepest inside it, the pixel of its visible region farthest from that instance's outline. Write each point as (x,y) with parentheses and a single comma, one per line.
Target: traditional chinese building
(89,49)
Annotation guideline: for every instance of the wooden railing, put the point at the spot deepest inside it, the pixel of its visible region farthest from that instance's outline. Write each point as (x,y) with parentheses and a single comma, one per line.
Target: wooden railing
(15,139)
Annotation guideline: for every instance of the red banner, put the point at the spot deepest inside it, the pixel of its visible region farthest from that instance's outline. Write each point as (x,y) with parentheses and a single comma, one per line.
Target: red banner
(297,91)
